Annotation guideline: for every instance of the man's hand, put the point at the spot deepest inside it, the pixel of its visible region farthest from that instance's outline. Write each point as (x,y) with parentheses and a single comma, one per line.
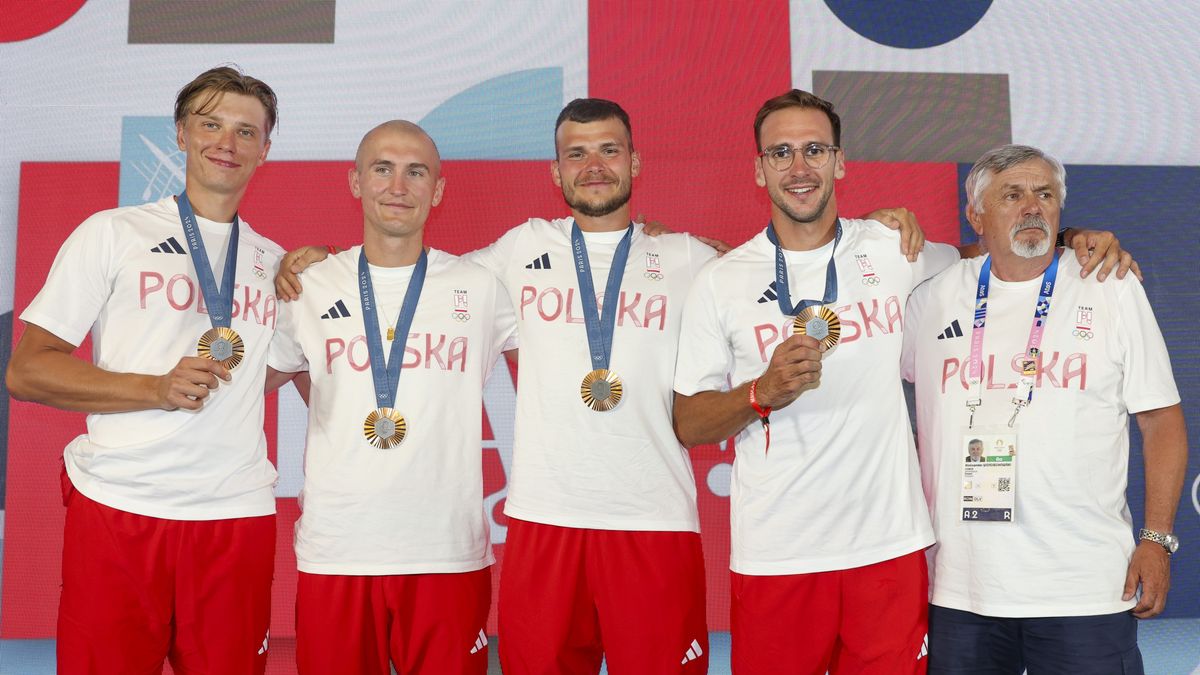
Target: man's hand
(1151,569)
(189,383)
(287,281)
(653,228)
(794,368)
(912,239)
(1095,248)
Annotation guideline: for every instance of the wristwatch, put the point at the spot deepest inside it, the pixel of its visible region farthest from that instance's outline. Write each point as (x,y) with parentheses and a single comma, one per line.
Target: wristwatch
(1167,541)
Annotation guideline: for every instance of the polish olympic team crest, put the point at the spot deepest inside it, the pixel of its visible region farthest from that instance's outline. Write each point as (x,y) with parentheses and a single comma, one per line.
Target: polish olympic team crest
(260,270)
(869,278)
(1083,323)
(653,267)
(461,312)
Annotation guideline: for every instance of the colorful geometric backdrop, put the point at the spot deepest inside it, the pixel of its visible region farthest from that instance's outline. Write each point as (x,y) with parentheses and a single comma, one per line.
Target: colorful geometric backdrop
(86,91)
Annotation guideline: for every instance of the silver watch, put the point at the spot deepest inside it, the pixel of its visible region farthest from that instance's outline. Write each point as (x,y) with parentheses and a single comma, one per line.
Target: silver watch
(1167,541)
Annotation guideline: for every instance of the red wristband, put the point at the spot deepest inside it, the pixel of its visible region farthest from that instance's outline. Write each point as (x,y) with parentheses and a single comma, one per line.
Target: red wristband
(764,413)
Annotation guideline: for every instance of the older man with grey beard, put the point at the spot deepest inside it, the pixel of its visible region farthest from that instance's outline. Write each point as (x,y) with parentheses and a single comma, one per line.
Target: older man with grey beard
(1035,566)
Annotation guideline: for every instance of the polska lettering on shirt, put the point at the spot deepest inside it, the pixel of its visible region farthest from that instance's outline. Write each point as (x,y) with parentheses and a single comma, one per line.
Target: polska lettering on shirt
(871,325)
(422,350)
(181,293)
(552,304)
(1056,375)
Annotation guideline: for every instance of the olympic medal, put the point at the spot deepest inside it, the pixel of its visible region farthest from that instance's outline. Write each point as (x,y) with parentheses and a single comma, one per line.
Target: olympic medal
(384,428)
(222,345)
(819,322)
(601,390)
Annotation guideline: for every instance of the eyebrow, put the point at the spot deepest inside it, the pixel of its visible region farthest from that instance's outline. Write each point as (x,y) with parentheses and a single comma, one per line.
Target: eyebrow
(390,163)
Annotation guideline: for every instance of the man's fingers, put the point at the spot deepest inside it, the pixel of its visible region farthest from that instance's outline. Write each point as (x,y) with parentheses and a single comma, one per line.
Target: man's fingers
(1124,265)
(1131,584)
(1137,269)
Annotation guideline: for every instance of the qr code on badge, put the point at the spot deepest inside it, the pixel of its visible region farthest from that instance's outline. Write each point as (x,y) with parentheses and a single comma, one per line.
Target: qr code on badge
(1004,485)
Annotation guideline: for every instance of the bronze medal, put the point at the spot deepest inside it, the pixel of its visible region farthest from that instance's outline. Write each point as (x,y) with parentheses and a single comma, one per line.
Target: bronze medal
(819,322)
(385,428)
(222,345)
(601,390)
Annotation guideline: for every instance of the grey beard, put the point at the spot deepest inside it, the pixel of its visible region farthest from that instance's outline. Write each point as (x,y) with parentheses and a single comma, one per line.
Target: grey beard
(1035,249)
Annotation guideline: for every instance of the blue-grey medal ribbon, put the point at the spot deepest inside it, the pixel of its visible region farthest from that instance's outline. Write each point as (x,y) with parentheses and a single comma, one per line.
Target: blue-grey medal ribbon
(812,317)
(601,388)
(384,427)
(220,343)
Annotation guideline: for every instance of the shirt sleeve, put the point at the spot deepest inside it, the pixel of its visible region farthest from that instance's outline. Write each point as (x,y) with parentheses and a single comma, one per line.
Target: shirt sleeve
(913,315)
(80,282)
(1147,382)
(496,257)
(285,354)
(705,356)
(933,259)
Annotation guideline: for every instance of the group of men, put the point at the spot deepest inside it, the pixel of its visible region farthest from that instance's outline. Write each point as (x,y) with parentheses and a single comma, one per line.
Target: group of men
(661,346)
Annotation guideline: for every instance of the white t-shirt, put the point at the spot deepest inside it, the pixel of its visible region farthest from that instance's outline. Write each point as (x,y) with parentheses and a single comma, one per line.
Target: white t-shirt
(839,487)
(574,467)
(417,507)
(1067,551)
(125,275)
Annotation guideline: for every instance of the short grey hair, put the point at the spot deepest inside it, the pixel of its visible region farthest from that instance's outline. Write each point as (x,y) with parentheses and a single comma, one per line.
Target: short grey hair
(1005,157)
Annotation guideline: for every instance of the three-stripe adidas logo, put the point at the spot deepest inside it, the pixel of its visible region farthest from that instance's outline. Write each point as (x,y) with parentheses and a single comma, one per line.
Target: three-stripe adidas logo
(480,642)
(769,295)
(952,331)
(338,311)
(694,652)
(168,246)
(924,651)
(541,262)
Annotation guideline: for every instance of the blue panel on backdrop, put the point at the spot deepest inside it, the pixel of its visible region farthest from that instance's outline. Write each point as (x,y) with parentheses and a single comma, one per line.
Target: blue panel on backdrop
(506,117)
(910,24)
(151,162)
(1150,210)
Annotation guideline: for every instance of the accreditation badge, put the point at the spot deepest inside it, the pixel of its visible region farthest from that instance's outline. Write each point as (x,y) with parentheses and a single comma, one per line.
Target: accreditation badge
(385,428)
(223,345)
(601,390)
(989,473)
(819,322)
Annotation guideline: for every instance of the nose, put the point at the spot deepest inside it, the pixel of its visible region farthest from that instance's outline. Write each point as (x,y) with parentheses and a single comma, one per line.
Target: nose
(1031,205)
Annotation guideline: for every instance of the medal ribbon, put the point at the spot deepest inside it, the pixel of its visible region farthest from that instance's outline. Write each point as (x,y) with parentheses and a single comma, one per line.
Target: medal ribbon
(218,302)
(387,378)
(599,324)
(1032,346)
(781,276)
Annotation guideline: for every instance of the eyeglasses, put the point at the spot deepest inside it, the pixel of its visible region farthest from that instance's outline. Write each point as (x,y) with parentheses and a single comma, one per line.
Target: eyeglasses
(816,155)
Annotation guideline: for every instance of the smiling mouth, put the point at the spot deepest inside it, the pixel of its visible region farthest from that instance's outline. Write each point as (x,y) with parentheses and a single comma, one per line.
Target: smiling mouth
(800,190)
(223,163)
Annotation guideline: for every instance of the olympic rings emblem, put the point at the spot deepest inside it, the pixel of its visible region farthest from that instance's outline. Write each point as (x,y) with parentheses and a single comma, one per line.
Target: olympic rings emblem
(656,276)
(871,281)
(462,316)
(1083,334)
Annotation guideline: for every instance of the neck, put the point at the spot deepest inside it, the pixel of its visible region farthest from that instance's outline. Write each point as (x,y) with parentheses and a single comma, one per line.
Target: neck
(1011,267)
(795,236)
(400,251)
(617,220)
(220,208)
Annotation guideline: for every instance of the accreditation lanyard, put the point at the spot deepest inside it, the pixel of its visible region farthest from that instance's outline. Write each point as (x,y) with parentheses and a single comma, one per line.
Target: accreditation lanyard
(782,292)
(599,323)
(218,301)
(1024,393)
(386,374)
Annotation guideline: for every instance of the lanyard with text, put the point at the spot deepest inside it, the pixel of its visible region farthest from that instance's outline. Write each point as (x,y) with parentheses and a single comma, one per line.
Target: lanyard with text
(387,377)
(781,276)
(601,388)
(1032,348)
(220,343)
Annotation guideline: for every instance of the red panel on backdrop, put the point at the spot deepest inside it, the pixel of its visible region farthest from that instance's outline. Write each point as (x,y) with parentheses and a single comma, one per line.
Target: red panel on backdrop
(25,20)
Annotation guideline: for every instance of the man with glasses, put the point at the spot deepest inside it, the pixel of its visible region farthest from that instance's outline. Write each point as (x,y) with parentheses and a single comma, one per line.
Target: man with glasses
(828,518)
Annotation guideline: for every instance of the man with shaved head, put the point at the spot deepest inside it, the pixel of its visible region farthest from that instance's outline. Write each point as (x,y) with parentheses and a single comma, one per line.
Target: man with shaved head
(392,544)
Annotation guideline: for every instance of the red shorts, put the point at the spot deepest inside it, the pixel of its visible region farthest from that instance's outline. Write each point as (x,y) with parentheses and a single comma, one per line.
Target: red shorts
(138,590)
(870,619)
(563,588)
(426,624)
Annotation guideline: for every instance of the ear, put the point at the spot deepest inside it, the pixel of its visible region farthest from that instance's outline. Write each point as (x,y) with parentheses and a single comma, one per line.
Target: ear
(179,136)
(974,219)
(438,190)
(839,165)
(262,156)
(637,165)
(554,173)
(760,178)
(352,176)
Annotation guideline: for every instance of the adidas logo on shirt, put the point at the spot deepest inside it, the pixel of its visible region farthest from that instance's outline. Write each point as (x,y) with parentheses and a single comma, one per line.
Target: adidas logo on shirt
(480,642)
(694,652)
(542,262)
(168,246)
(338,311)
(924,651)
(952,331)
(769,295)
